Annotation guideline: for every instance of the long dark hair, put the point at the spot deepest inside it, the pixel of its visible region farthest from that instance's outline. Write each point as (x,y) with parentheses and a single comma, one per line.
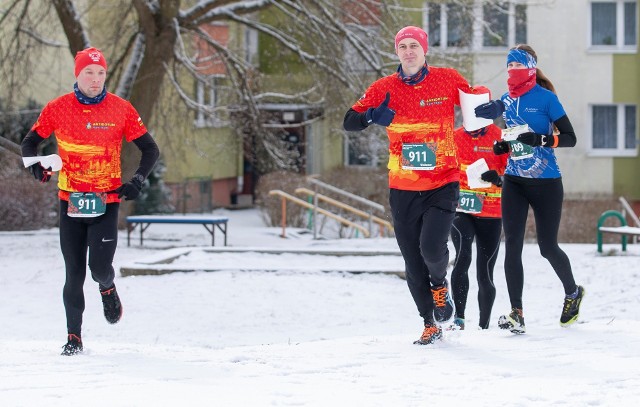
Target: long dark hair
(541,78)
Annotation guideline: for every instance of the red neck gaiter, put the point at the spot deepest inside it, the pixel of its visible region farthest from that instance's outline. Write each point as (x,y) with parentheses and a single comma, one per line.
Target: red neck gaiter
(521,81)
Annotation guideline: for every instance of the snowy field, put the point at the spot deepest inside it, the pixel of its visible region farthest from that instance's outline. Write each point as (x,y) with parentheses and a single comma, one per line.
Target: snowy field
(300,337)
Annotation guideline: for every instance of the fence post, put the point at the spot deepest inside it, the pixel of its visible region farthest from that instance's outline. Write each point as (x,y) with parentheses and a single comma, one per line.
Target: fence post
(315,212)
(284,217)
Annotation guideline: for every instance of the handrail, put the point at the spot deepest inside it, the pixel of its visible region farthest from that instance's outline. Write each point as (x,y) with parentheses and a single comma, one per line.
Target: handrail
(342,205)
(626,207)
(285,196)
(360,199)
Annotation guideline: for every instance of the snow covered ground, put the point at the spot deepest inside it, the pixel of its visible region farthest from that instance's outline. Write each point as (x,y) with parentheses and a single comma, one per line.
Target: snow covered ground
(300,337)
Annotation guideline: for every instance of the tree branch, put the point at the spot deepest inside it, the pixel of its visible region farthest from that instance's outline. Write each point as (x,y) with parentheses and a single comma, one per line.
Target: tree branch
(70,22)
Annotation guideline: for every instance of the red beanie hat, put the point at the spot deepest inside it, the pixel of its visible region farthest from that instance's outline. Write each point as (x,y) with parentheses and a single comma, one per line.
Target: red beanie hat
(89,56)
(416,33)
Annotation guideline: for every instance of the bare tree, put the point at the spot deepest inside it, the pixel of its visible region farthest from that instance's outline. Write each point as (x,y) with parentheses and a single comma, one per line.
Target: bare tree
(339,45)
(151,42)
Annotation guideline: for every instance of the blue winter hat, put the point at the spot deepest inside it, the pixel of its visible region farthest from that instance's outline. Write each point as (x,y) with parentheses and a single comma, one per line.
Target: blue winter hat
(521,56)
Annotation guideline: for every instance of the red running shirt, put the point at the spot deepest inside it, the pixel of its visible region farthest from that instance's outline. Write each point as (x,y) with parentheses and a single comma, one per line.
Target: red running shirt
(89,141)
(471,149)
(424,116)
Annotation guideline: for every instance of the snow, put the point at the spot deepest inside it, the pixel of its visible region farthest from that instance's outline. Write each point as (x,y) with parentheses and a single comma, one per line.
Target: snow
(298,336)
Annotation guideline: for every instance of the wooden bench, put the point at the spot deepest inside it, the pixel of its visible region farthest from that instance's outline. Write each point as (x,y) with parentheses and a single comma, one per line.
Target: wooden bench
(624,230)
(209,222)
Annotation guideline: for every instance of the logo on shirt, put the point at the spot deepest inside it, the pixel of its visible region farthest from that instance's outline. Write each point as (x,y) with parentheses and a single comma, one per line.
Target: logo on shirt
(531,109)
(483,149)
(99,125)
(433,101)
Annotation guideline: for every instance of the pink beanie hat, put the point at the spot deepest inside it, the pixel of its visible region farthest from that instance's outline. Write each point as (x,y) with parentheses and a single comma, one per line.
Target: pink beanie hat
(416,33)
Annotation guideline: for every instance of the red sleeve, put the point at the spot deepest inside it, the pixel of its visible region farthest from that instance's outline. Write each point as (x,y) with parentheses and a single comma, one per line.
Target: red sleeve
(372,97)
(45,124)
(134,127)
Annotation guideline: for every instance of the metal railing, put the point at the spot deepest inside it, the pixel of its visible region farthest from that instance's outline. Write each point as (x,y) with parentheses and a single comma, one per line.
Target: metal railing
(627,209)
(288,197)
(383,224)
(366,214)
(370,205)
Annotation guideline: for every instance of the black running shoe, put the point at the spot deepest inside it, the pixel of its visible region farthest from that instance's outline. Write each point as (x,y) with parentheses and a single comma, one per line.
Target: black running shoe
(514,322)
(443,303)
(111,305)
(431,333)
(73,346)
(571,308)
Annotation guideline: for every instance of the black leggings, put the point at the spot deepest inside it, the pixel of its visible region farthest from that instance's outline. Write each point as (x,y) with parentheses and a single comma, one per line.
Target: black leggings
(486,232)
(422,223)
(545,199)
(100,236)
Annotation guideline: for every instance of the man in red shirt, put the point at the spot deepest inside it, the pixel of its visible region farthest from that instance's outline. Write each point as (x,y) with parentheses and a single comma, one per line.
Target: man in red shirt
(478,218)
(416,105)
(89,124)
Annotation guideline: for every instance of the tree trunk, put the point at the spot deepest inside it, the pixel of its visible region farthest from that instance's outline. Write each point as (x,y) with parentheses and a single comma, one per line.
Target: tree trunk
(160,34)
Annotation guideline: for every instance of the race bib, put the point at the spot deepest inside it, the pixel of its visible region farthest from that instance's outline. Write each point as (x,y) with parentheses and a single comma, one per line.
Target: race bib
(418,156)
(519,151)
(87,204)
(470,202)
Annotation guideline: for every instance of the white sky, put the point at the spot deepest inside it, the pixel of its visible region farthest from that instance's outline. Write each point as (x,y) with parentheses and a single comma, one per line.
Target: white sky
(302,337)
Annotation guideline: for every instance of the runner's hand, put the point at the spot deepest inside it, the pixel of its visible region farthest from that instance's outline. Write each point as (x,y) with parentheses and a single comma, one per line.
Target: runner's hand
(40,173)
(501,147)
(492,177)
(489,110)
(381,115)
(131,189)
(533,139)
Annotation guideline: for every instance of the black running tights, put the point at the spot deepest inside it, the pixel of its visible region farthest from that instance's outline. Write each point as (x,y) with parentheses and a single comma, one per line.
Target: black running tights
(99,236)
(546,201)
(422,223)
(486,232)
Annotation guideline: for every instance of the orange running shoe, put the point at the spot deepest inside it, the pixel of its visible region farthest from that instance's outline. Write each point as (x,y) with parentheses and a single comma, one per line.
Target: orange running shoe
(444,307)
(431,333)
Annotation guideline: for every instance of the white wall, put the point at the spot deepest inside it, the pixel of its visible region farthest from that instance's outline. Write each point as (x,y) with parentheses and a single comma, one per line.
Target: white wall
(558,32)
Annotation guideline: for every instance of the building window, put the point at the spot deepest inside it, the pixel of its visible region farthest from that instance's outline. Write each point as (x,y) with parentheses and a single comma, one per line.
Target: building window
(251,46)
(614,25)
(505,24)
(613,130)
(476,25)
(448,25)
(208,96)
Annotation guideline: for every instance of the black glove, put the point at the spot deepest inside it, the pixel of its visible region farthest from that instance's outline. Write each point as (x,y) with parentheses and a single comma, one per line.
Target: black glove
(492,177)
(490,110)
(381,115)
(534,139)
(40,173)
(131,189)
(501,147)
